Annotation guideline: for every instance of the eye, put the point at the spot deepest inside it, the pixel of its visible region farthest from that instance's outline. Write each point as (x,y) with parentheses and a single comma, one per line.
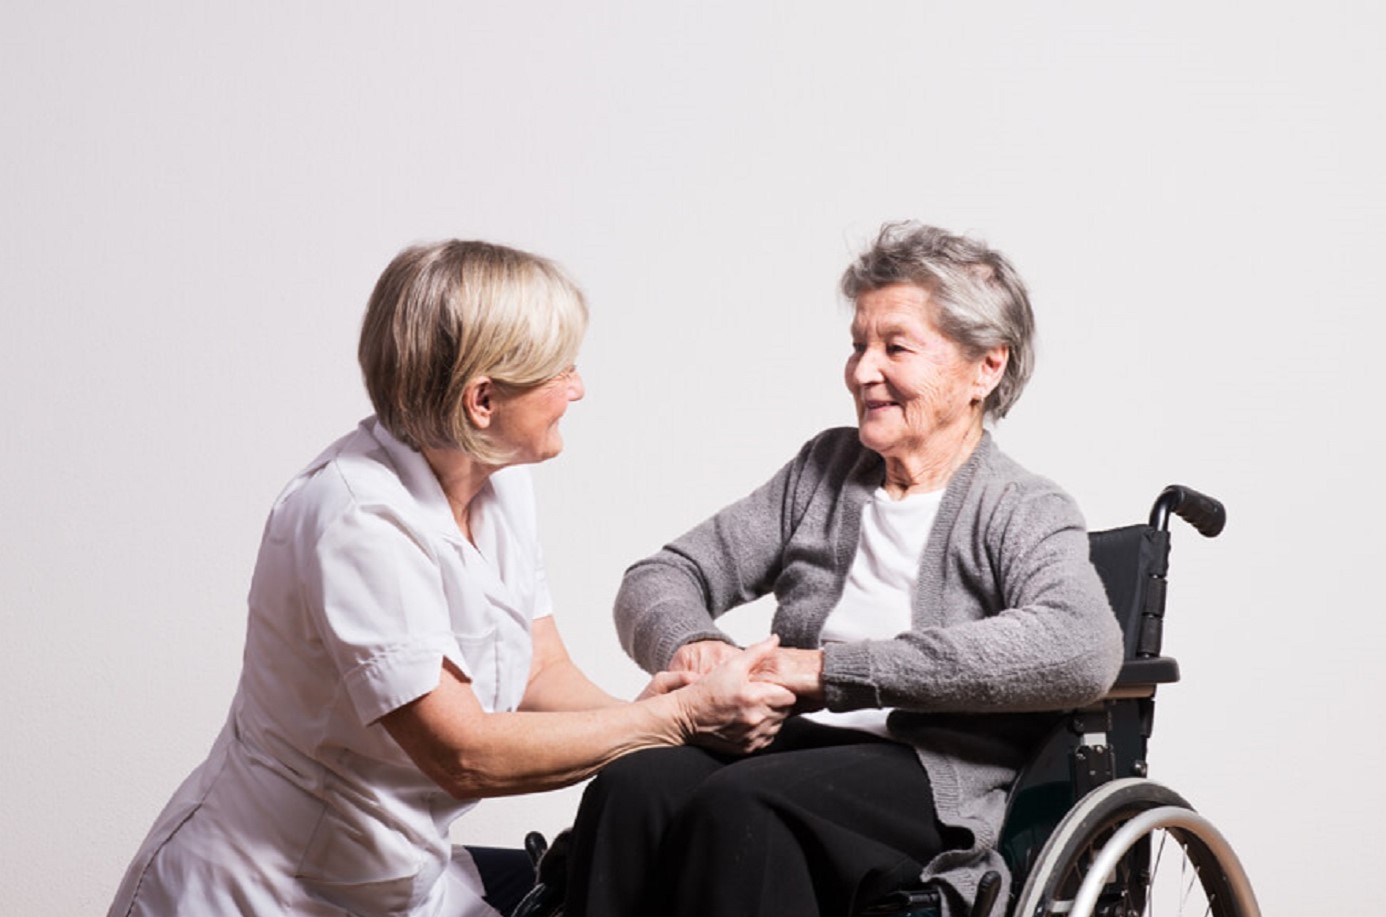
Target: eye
(858,348)
(896,349)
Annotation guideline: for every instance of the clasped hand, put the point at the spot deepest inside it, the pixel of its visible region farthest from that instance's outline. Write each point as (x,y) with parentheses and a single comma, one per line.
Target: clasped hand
(738,699)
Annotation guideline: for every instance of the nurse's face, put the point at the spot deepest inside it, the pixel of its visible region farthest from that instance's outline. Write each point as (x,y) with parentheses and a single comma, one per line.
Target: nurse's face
(526,423)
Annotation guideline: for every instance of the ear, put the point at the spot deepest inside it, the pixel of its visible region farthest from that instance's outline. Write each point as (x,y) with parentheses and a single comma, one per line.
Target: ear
(478,401)
(990,368)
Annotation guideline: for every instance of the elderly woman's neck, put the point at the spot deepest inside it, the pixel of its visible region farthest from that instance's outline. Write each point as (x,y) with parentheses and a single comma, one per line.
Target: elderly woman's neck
(461,478)
(932,467)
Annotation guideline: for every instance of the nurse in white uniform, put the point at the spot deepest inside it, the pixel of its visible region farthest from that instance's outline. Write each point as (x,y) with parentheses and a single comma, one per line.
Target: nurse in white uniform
(401,660)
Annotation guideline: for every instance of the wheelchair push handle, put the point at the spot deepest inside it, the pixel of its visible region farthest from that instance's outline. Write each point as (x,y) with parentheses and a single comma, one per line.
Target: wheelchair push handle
(1205,514)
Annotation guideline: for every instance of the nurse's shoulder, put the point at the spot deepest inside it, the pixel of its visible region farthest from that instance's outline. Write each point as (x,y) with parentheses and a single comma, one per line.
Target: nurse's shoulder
(354,474)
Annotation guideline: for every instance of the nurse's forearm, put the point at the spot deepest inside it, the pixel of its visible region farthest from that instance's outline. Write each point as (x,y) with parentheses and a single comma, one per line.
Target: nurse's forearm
(474,754)
(563,686)
(530,752)
(555,681)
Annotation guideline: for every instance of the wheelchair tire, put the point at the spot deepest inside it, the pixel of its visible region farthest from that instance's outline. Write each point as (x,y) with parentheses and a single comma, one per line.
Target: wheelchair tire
(1148,853)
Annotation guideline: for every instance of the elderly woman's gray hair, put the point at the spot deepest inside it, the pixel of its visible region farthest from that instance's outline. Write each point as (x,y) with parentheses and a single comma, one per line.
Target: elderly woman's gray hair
(979,298)
(450,312)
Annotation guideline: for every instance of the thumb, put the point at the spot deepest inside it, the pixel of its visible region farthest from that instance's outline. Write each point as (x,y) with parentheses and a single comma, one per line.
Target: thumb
(757,653)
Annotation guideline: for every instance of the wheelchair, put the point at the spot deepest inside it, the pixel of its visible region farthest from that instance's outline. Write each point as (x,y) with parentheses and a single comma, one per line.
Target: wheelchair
(1086,833)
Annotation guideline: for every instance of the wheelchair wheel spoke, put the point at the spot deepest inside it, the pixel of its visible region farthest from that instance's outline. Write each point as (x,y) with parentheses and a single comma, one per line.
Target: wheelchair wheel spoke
(1149,908)
(1188,883)
(1172,889)
(1134,831)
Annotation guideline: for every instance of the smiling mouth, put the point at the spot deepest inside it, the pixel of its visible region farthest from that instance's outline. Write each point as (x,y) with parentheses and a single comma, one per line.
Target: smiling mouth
(875,405)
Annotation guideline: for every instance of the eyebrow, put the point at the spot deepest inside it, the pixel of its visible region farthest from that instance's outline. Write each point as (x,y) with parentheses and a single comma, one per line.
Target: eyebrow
(894,329)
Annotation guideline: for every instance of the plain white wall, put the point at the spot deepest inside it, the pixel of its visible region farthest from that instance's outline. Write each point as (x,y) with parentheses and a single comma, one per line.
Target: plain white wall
(197,200)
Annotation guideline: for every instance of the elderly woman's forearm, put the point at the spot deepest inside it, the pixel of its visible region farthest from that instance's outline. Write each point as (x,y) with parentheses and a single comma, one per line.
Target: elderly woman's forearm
(659,608)
(1002,664)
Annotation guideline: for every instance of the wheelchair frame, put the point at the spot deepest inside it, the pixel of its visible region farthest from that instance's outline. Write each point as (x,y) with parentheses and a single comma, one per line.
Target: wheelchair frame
(1085,830)
(1082,817)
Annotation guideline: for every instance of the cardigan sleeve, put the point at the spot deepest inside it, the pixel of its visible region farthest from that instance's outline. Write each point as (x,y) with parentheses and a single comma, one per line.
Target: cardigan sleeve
(674,596)
(1053,644)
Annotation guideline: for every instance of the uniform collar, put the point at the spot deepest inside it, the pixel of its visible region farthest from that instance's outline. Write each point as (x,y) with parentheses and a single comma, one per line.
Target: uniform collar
(418,478)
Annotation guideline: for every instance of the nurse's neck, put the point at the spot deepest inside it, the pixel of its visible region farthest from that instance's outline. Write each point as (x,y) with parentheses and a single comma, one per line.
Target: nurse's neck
(462,478)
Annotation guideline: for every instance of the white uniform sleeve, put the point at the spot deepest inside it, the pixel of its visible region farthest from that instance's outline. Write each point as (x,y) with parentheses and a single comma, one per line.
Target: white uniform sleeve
(376,597)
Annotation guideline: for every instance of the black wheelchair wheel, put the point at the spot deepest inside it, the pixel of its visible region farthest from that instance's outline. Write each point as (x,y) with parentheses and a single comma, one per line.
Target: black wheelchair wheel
(1148,854)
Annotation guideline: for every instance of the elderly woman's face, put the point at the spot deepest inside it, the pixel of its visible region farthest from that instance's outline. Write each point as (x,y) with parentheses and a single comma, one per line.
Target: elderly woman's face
(914,388)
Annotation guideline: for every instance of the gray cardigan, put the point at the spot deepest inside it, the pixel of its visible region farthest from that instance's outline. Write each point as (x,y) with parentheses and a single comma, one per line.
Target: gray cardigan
(1009,616)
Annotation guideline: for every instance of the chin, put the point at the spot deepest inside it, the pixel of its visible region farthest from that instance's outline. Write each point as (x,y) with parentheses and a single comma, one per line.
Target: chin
(874,440)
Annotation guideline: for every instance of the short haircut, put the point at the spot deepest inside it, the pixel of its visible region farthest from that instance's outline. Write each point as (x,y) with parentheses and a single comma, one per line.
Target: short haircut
(447,313)
(980,301)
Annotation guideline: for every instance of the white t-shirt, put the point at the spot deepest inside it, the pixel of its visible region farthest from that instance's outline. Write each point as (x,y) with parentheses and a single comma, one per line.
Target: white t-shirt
(363,587)
(878,597)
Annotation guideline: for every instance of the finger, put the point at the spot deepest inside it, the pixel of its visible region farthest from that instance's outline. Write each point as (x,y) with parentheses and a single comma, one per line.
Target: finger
(757,653)
(682,662)
(664,682)
(702,655)
(762,736)
(674,681)
(771,694)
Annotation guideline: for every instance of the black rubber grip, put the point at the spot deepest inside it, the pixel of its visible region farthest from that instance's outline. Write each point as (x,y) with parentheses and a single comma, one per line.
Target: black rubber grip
(1201,511)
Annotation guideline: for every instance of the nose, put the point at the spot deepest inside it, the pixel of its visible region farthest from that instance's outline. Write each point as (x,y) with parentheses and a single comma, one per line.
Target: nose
(864,369)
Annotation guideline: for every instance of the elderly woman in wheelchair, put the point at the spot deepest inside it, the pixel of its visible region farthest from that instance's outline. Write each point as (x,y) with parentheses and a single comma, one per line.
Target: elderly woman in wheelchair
(934,599)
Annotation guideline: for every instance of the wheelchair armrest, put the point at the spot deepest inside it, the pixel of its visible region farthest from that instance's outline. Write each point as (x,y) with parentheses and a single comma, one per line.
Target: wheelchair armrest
(1138,677)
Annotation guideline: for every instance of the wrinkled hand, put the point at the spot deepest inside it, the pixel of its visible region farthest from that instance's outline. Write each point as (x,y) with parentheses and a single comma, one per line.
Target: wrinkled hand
(701,656)
(727,710)
(800,671)
(664,682)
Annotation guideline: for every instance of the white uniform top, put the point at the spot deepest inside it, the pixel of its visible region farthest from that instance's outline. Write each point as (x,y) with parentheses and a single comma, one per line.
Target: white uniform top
(878,595)
(363,587)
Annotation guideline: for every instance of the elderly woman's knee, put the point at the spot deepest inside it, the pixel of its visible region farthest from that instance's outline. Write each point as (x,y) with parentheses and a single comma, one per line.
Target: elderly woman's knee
(730,799)
(653,776)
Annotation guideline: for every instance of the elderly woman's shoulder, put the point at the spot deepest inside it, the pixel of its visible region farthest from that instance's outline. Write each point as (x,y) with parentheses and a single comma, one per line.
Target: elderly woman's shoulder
(1012,489)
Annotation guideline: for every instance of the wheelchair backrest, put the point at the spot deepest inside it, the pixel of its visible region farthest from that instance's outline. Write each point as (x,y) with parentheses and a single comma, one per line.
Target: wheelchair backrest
(1132,562)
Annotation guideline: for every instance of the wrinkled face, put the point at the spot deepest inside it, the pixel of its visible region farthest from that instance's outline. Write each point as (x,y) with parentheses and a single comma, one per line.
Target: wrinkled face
(915,389)
(527,422)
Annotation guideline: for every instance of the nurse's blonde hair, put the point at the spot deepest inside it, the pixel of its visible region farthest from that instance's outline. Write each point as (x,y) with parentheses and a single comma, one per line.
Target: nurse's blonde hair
(447,313)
